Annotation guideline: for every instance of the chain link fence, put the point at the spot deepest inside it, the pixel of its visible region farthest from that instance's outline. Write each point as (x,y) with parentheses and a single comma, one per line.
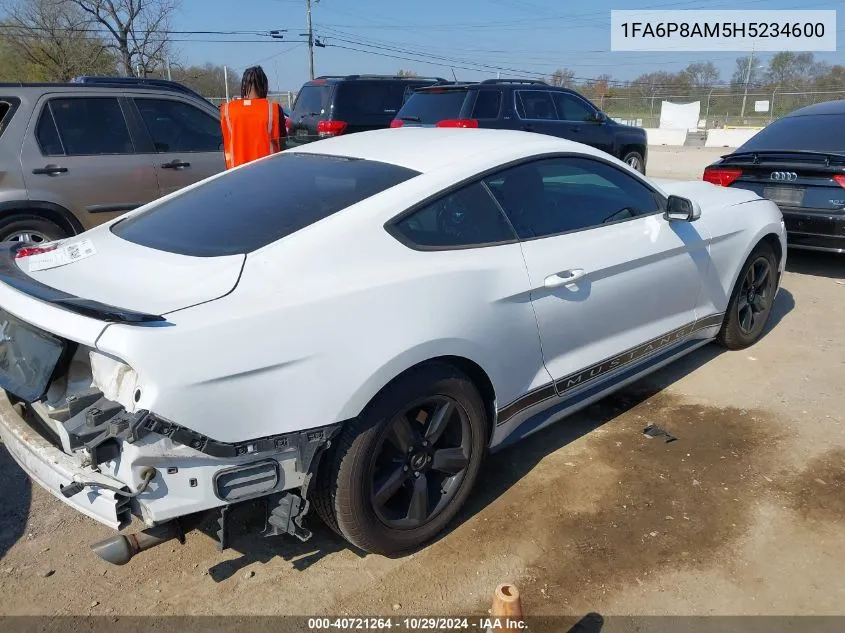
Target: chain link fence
(719,108)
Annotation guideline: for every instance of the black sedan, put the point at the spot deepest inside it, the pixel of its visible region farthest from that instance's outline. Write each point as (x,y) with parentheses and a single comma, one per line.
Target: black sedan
(798,162)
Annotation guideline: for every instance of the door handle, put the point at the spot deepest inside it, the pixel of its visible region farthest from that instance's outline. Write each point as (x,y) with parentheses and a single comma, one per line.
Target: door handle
(175,164)
(564,278)
(577,128)
(50,170)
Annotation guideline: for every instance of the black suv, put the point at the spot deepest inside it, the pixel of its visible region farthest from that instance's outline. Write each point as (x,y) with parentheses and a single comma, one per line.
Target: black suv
(332,105)
(524,104)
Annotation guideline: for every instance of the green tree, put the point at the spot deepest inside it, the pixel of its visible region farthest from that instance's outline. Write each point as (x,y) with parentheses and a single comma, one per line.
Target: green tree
(790,70)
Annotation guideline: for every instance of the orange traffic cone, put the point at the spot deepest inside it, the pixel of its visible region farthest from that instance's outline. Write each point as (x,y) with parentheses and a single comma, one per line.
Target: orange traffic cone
(507,606)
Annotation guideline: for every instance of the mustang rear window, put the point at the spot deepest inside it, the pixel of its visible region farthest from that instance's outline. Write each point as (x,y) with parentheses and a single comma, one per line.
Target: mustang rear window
(259,204)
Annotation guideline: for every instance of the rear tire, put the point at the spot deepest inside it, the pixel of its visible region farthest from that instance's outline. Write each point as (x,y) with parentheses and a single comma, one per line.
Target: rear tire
(751,301)
(30,229)
(368,478)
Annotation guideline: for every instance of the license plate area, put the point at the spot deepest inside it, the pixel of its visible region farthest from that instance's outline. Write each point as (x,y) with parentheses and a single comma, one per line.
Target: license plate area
(28,358)
(301,132)
(789,196)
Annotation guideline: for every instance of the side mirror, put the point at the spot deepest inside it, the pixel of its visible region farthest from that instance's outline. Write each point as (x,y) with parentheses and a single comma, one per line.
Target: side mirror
(600,117)
(682,209)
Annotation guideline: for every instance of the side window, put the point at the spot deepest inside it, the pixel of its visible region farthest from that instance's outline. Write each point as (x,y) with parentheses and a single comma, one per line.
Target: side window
(91,126)
(535,104)
(179,127)
(487,104)
(557,195)
(571,108)
(47,135)
(467,217)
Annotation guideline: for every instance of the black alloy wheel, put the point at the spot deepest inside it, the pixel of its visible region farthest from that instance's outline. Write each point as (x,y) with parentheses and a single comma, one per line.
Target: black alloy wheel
(420,463)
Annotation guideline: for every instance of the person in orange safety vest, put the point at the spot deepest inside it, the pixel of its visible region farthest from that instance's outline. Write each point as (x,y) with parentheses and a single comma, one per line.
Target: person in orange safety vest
(253,126)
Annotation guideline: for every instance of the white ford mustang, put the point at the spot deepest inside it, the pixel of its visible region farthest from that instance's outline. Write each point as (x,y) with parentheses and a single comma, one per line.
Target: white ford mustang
(354,323)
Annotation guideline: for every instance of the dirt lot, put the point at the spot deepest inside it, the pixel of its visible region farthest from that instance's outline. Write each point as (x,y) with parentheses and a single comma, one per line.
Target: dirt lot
(743,514)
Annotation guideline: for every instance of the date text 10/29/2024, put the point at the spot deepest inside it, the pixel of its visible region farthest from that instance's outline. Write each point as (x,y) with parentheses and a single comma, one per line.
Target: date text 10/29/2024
(416,624)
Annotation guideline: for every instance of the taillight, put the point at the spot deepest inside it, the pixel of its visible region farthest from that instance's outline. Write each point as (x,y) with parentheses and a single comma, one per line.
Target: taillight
(397,123)
(457,123)
(34,250)
(288,124)
(840,180)
(722,176)
(330,128)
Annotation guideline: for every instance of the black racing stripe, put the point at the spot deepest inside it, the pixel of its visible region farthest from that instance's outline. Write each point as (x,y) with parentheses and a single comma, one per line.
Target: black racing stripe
(528,400)
(578,379)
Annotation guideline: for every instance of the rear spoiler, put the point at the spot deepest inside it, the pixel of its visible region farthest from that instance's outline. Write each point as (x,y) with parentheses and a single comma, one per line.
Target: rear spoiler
(12,275)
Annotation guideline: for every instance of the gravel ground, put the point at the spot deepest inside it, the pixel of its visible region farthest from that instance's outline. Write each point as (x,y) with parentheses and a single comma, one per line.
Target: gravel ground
(743,514)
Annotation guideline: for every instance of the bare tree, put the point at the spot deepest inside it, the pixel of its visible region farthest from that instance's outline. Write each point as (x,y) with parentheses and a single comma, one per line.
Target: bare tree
(139,30)
(563,77)
(55,39)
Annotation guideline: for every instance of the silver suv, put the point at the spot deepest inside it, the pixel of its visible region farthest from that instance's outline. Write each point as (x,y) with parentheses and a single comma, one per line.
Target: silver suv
(75,155)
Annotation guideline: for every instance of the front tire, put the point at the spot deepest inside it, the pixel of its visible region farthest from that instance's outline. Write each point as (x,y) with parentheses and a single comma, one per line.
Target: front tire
(635,161)
(399,473)
(751,301)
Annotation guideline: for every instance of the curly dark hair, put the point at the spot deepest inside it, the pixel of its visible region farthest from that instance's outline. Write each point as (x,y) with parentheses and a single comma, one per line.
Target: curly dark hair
(254,79)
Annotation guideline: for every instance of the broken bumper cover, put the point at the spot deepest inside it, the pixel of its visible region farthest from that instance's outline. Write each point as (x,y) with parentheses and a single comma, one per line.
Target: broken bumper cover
(52,469)
(193,473)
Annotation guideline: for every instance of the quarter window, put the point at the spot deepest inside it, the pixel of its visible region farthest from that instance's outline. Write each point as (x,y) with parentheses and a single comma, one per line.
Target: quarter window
(487,104)
(535,104)
(179,127)
(467,217)
(558,195)
(86,126)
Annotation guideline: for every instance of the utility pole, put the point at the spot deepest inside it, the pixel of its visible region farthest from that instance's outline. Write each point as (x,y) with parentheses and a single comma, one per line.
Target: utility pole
(226,80)
(310,39)
(167,64)
(747,79)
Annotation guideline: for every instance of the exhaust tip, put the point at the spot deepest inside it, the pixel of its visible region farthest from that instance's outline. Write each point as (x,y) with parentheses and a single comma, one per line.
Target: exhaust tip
(115,550)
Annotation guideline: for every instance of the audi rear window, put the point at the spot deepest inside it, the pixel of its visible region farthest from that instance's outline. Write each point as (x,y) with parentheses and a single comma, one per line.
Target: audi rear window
(431,106)
(251,207)
(814,132)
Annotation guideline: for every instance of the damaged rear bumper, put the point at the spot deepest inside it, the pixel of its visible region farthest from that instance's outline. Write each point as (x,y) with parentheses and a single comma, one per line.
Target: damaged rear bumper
(52,469)
(193,473)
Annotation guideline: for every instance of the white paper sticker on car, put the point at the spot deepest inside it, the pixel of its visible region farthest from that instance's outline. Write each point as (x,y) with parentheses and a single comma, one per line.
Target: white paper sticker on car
(66,253)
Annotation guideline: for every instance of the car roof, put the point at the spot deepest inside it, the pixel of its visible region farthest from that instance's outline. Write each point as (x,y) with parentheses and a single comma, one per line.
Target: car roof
(333,79)
(429,149)
(826,107)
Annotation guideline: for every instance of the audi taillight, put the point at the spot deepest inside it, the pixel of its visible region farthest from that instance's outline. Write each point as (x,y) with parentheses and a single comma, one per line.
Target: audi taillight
(288,124)
(840,180)
(457,123)
(397,123)
(722,176)
(330,128)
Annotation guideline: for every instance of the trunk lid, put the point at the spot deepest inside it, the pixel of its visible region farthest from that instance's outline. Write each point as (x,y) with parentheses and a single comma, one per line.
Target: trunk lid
(792,179)
(100,267)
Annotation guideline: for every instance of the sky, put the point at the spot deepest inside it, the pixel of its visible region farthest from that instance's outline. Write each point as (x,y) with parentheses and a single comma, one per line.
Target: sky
(474,39)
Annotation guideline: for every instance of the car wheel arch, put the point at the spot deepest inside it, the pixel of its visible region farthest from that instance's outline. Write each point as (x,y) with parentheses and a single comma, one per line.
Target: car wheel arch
(462,362)
(767,236)
(49,211)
